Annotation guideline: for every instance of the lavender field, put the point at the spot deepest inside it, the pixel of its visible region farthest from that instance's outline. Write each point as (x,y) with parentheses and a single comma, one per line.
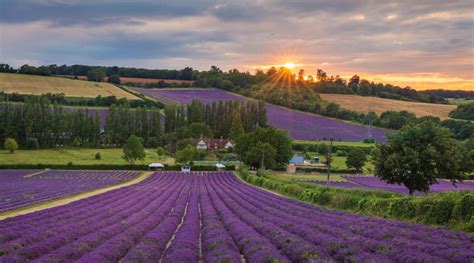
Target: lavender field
(374,183)
(214,217)
(17,190)
(300,125)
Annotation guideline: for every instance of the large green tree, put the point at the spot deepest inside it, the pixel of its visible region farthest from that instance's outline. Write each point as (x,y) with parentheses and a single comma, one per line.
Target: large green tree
(187,155)
(261,155)
(418,155)
(237,129)
(133,150)
(356,159)
(278,139)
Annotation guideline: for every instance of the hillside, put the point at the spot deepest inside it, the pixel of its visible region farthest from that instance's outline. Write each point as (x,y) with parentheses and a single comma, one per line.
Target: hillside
(37,85)
(300,125)
(379,105)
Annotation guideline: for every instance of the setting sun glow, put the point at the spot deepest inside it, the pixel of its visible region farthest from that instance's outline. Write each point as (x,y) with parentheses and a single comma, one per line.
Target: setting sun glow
(289,65)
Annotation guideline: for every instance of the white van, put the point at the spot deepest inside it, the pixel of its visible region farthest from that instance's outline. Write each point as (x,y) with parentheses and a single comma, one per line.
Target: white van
(185,169)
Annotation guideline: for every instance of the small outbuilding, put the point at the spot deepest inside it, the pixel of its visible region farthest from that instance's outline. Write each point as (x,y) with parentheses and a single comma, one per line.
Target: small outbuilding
(220,167)
(297,160)
(156,166)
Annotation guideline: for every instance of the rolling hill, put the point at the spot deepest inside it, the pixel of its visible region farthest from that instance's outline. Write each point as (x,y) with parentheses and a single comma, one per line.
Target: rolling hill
(37,85)
(300,125)
(379,105)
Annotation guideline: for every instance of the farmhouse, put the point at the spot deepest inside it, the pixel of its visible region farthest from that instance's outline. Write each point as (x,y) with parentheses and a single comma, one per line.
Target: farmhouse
(207,144)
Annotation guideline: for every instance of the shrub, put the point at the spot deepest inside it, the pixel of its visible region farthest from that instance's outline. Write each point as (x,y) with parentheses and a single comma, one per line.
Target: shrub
(160,151)
(11,145)
(32,143)
(98,156)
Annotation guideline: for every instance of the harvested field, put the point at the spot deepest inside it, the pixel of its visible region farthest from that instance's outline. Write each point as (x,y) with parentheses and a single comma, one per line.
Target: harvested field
(379,105)
(37,85)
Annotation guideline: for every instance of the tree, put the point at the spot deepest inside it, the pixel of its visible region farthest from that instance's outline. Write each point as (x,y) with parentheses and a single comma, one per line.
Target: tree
(186,155)
(356,159)
(95,74)
(114,79)
(32,143)
(199,129)
(261,155)
(237,129)
(11,145)
(278,139)
(133,150)
(419,154)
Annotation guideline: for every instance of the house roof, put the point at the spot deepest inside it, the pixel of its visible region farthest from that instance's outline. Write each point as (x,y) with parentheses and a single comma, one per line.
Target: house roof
(297,159)
(214,143)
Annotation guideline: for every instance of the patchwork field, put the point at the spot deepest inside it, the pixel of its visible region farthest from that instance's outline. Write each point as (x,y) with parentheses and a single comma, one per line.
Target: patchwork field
(24,188)
(300,125)
(214,217)
(379,105)
(37,85)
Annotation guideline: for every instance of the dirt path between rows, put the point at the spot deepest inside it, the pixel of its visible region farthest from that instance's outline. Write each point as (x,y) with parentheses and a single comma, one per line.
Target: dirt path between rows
(71,198)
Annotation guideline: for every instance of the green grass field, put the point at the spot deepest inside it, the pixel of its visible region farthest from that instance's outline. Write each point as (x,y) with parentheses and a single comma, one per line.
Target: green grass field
(76,156)
(37,85)
(460,101)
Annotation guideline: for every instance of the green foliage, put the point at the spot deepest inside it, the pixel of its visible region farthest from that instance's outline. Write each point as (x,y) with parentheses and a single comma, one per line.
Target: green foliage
(11,145)
(98,156)
(198,129)
(419,154)
(76,142)
(114,79)
(184,143)
(133,150)
(356,159)
(463,111)
(237,129)
(96,74)
(32,143)
(153,142)
(261,155)
(160,151)
(186,155)
(275,138)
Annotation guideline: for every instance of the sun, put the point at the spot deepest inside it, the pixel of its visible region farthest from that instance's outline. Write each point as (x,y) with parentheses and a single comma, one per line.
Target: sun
(289,65)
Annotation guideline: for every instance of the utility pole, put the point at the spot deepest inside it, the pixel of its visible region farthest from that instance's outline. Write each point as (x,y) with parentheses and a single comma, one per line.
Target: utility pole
(329,161)
(369,117)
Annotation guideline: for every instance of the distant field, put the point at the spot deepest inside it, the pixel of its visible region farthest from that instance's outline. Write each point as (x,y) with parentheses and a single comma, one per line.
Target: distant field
(300,125)
(460,101)
(379,105)
(137,80)
(76,156)
(353,144)
(37,85)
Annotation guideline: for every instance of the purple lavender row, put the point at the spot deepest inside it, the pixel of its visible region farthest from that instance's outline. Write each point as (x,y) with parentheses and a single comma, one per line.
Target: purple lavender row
(43,238)
(153,245)
(254,246)
(433,247)
(18,191)
(294,247)
(217,244)
(375,183)
(300,125)
(185,245)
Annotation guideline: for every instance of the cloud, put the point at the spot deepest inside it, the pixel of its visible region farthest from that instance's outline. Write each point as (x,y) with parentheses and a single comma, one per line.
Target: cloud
(348,36)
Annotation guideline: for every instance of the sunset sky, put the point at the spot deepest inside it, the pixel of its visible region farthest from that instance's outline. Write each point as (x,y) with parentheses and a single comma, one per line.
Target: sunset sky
(424,44)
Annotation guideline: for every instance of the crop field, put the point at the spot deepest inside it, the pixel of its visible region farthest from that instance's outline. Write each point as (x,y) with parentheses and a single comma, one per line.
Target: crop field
(214,217)
(136,80)
(300,125)
(37,85)
(374,183)
(379,105)
(24,188)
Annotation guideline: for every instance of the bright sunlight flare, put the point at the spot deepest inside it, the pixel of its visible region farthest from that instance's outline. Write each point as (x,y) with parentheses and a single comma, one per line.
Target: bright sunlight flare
(289,65)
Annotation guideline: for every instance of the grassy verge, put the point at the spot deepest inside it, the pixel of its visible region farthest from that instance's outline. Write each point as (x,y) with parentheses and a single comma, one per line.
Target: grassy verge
(454,210)
(78,156)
